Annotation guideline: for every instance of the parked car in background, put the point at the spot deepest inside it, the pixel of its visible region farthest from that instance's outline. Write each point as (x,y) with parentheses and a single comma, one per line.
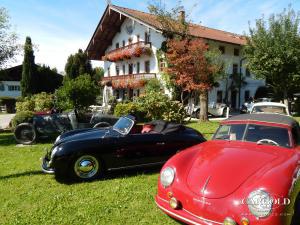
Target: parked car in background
(249,174)
(247,106)
(46,125)
(214,109)
(86,154)
(270,107)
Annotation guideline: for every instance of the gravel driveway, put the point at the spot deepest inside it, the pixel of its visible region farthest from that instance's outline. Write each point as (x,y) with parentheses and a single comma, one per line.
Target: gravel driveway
(5,119)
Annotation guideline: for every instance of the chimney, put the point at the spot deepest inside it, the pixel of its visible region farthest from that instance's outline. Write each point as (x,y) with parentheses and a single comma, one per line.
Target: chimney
(181,16)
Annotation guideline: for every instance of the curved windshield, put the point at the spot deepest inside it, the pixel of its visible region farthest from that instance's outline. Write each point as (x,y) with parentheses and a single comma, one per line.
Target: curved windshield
(260,134)
(123,125)
(269,109)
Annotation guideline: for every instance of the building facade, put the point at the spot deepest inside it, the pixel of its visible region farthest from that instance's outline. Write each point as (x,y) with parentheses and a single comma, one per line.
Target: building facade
(127,41)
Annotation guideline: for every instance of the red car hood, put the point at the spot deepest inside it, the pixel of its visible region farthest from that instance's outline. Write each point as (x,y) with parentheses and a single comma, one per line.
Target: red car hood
(221,167)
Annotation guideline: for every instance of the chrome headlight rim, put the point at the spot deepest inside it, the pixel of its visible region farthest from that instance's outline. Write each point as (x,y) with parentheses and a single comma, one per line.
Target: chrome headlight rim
(167,176)
(54,151)
(260,203)
(57,139)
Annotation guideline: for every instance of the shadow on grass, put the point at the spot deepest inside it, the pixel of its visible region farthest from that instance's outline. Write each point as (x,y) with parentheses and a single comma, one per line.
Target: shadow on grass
(109,175)
(29,173)
(7,139)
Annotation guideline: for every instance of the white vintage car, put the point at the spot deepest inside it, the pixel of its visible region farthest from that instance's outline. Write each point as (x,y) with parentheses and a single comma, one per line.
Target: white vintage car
(270,107)
(214,109)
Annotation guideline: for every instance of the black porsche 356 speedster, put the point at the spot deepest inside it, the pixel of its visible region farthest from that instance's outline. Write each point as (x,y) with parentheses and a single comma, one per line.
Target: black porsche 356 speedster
(86,154)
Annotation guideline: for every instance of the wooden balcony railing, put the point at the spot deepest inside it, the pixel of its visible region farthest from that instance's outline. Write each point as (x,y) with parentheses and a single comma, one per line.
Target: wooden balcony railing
(128,80)
(133,50)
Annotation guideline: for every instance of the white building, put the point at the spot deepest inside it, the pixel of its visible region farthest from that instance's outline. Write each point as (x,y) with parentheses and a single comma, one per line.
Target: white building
(10,82)
(127,40)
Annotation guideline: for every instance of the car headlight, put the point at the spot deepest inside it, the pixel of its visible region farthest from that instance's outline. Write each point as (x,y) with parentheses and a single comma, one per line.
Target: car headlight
(260,203)
(57,139)
(167,176)
(54,151)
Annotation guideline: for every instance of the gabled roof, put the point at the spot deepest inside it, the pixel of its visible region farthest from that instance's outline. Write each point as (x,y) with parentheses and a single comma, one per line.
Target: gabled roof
(114,16)
(11,74)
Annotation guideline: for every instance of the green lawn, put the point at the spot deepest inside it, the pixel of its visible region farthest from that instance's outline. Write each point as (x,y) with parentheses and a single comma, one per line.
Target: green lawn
(30,197)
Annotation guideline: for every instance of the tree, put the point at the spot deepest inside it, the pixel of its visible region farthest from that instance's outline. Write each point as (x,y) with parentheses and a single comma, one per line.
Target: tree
(28,81)
(78,64)
(48,79)
(191,66)
(78,93)
(97,74)
(8,39)
(194,68)
(273,52)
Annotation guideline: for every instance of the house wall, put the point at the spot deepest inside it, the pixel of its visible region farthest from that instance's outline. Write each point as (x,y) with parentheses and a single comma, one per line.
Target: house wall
(8,89)
(156,39)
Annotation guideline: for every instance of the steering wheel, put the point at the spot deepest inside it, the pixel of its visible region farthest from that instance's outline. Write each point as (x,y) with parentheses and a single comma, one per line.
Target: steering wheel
(267,141)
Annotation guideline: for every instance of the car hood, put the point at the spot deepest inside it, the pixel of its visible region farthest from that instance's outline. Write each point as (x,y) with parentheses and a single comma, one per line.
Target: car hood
(86,134)
(222,167)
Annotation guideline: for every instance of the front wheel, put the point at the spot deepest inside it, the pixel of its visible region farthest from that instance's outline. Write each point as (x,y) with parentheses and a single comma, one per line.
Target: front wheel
(86,168)
(25,133)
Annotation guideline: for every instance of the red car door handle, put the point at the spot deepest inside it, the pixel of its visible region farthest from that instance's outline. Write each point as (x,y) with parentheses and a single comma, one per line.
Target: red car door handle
(160,143)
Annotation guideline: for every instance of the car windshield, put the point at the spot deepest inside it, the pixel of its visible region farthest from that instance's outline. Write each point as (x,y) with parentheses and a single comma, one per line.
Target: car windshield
(269,109)
(123,125)
(259,134)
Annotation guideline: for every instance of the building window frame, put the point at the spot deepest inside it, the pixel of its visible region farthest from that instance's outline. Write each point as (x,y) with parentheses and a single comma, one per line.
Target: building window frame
(236,52)
(147,66)
(222,49)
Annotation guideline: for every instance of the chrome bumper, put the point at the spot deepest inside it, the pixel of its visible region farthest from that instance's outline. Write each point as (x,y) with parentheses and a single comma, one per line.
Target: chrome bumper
(45,166)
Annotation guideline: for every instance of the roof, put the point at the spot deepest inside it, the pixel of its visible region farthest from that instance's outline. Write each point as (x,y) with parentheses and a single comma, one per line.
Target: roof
(11,74)
(264,117)
(114,16)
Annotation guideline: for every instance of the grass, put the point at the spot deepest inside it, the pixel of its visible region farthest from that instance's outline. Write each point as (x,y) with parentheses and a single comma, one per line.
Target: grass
(31,197)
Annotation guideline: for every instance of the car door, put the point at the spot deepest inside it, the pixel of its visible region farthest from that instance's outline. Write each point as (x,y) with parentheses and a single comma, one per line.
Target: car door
(139,149)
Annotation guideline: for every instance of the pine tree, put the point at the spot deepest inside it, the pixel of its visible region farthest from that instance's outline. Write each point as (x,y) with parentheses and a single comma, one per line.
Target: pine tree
(28,86)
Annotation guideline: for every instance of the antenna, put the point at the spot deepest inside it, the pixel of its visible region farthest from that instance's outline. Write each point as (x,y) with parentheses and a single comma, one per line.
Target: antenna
(108,2)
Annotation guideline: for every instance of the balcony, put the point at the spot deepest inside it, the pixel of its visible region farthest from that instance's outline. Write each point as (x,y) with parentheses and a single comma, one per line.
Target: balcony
(127,52)
(128,81)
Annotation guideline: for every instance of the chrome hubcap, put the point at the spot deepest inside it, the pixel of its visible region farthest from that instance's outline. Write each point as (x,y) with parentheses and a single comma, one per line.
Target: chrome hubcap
(86,166)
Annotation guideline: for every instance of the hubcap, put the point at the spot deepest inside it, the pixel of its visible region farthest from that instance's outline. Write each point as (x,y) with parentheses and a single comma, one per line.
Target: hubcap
(86,166)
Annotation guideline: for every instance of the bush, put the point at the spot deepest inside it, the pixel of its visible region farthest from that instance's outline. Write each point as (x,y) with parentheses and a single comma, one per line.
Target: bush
(123,109)
(26,104)
(78,93)
(35,103)
(174,112)
(43,102)
(22,117)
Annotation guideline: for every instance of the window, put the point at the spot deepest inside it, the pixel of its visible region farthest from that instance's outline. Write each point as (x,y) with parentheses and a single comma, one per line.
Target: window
(235,68)
(147,66)
(162,64)
(123,43)
(248,72)
(236,52)
(138,38)
(138,67)
(147,37)
(117,45)
(117,94)
(222,49)
(247,95)
(117,70)
(138,92)
(13,88)
(123,68)
(2,88)
(219,96)
(108,71)
(130,68)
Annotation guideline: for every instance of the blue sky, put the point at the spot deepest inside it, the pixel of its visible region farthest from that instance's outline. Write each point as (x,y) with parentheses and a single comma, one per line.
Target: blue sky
(59,28)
